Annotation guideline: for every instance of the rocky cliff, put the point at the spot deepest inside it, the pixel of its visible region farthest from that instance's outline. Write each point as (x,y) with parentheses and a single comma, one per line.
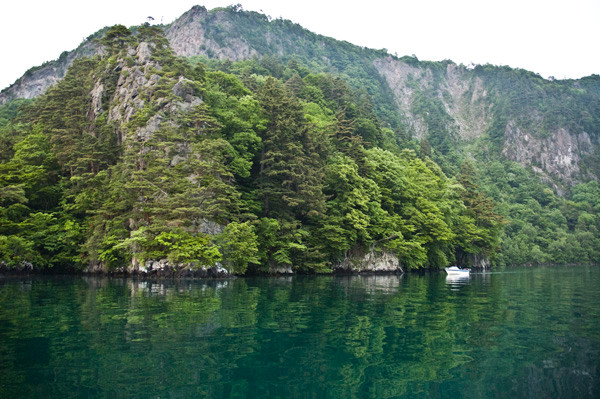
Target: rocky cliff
(469,102)
(359,260)
(194,34)
(462,95)
(38,79)
(557,155)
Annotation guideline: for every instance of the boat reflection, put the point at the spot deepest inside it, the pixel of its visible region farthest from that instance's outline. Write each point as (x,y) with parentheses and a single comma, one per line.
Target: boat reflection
(456,281)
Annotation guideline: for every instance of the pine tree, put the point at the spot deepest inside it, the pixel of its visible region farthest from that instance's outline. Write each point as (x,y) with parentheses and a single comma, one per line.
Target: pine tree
(346,141)
(295,84)
(484,235)
(290,175)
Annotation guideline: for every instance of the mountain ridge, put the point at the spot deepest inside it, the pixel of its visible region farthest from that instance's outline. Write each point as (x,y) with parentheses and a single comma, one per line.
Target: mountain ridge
(445,103)
(140,160)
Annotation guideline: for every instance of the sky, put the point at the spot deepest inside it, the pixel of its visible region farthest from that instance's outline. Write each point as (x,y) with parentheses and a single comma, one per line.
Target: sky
(549,37)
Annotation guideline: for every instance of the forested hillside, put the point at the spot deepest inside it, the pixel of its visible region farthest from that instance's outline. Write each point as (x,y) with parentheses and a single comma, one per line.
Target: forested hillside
(228,139)
(140,155)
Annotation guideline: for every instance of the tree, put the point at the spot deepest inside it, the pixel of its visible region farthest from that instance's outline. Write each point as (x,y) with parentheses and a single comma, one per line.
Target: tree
(116,38)
(483,236)
(345,140)
(239,245)
(290,174)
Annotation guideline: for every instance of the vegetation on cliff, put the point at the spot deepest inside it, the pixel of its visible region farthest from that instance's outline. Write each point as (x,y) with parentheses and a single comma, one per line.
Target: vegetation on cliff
(141,155)
(288,160)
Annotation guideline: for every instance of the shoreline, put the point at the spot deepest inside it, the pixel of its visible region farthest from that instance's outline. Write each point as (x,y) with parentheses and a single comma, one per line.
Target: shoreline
(208,274)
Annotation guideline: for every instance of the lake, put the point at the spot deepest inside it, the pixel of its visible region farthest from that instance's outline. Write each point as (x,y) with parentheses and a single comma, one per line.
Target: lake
(514,333)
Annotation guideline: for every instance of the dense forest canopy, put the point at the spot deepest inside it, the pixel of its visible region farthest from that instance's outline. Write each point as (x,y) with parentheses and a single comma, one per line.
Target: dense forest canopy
(263,163)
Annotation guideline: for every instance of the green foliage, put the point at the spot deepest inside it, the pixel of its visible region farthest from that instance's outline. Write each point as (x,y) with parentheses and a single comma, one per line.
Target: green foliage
(541,226)
(16,251)
(116,38)
(264,163)
(289,176)
(538,105)
(183,247)
(482,236)
(239,245)
(352,203)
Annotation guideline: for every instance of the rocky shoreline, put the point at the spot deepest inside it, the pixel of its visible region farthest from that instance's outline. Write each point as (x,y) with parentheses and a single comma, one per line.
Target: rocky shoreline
(356,262)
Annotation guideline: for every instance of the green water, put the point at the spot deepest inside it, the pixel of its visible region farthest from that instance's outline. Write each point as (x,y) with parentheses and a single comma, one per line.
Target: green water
(518,333)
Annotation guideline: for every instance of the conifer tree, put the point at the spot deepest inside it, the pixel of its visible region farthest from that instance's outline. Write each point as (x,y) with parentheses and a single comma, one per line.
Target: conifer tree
(289,177)
(479,208)
(346,141)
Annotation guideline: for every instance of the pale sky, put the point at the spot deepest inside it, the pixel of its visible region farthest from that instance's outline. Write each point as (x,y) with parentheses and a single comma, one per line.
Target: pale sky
(549,37)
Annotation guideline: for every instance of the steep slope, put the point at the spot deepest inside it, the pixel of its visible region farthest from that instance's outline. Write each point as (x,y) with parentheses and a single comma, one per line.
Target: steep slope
(38,79)
(552,127)
(139,160)
(441,101)
(463,96)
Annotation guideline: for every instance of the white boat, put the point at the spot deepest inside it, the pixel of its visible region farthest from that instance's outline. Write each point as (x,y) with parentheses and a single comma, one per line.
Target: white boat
(456,271)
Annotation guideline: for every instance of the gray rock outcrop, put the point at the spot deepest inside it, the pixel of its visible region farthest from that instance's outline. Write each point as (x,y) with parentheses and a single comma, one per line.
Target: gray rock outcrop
(359,260)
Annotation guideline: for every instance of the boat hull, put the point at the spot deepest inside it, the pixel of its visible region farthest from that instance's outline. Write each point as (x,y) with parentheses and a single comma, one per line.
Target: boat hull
(455,271)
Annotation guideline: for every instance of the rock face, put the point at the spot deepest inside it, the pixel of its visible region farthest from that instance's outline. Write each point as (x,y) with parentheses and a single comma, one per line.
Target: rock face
(462,96)
(138,81)
(280,269)
(557,155)
(161,268)
(475,261)
(360,261)
(187,36)
(33,83)
(23,268)
(37,80)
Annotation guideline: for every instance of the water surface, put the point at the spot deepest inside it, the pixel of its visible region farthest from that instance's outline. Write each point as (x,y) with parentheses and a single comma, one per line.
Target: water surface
(527,332)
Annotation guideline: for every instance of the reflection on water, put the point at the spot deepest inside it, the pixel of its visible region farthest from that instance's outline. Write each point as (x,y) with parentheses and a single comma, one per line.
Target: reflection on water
(372,283)
(525,333)
(456,281)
